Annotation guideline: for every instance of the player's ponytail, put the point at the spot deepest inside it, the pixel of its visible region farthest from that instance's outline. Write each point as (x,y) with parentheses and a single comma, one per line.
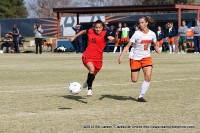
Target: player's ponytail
(150,20)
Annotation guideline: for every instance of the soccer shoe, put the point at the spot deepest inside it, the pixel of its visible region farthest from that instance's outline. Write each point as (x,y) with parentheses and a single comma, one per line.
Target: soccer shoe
(89,93)
(85,85)
(141,99)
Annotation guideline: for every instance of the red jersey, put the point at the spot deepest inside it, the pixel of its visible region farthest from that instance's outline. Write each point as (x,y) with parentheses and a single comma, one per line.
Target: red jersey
(96,45)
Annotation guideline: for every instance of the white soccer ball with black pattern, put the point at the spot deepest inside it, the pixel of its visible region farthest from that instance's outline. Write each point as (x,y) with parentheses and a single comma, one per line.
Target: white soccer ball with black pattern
(74,87)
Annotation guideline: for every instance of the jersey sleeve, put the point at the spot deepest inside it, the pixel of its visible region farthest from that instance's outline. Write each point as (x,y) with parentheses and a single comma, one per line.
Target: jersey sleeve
(87,31)
(154,38)
(134,37)
(128,29)
(106,35)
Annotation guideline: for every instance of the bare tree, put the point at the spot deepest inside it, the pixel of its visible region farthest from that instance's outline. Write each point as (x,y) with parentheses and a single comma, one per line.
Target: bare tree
(196,1)
(44,8)
(114,2)
(79,3)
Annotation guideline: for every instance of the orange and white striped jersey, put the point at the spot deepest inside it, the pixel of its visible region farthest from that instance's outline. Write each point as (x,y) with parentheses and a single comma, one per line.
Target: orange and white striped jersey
(141,44)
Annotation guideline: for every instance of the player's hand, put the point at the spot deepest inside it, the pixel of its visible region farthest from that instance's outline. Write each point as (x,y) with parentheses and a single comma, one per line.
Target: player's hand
(120,59)
(117,33)
(156,47)
(158,52)
(72,39)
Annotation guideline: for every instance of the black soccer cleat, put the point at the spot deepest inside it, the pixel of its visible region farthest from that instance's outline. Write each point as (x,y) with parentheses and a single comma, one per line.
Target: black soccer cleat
(141,99)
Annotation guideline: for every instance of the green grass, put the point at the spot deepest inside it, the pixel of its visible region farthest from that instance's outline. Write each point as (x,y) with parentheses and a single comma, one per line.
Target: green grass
(34,96)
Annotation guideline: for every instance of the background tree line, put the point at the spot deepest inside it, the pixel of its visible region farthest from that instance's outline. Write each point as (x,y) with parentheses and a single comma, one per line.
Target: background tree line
(44,8)
(12,9)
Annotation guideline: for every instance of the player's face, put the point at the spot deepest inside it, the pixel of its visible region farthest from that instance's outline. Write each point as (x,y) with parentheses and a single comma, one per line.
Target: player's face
(98,28)
(120,25)
(198,23)
(167,25)
(142,23)
(183,23)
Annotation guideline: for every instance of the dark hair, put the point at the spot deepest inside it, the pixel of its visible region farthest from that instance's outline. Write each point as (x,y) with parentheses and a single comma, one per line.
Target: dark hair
(15,26)
(149,19)
(136,25)
(99,22)
(159,26)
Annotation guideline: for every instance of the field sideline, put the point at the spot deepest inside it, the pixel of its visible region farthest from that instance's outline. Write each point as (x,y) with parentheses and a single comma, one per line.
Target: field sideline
(34,96)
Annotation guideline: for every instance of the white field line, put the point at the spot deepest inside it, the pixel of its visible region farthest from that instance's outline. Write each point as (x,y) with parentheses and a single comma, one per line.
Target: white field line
(57,87)
(16,91)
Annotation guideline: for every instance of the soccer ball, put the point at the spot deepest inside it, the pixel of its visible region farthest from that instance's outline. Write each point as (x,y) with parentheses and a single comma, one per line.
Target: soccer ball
(74,87)
(1,51)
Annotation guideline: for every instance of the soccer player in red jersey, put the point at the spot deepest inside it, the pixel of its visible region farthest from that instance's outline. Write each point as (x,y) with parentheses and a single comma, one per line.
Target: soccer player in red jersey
(93,55)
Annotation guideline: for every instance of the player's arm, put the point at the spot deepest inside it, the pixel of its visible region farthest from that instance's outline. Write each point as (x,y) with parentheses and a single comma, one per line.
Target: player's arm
(173,32)
(186,30)
(124,51)
(156,47)
(163,35)
(112,38)
(17,32)
(128,34)
(78,34)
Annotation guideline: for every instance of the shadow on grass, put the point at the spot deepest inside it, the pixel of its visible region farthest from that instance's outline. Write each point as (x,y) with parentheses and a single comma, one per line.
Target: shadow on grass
(115,97)
(64,108)
(76,98)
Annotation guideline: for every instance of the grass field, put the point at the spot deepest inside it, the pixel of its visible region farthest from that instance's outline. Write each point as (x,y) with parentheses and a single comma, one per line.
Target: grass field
(34,96)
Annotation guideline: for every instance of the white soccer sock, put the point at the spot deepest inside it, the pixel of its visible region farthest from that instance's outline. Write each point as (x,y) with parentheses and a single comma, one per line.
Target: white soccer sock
(144,88)
(120,49)
(170,48)
(160,48)
(173,47)
(115,48)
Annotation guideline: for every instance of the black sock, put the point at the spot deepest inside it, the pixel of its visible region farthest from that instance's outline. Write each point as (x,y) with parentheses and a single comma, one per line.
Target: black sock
(90,80)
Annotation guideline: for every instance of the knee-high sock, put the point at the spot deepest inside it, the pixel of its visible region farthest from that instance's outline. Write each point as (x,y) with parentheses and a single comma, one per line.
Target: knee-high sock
(170,48)
(173,48)
(115,48)
(120,49)
(90,80)
(144,88)
(160,48)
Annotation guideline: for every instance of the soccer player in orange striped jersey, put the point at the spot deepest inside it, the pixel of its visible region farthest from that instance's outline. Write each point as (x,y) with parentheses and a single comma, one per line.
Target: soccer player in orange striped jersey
(140,54)
(171,33)
(119,32)
(160,35)
(93,55)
